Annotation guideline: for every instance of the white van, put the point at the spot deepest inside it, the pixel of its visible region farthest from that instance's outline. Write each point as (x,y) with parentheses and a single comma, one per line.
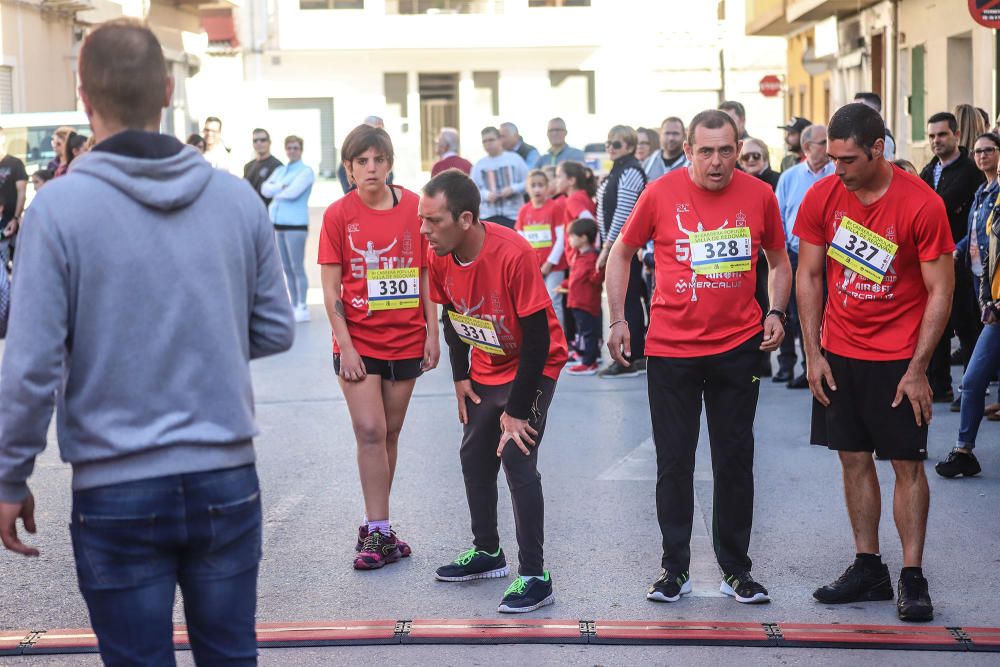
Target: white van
(29,135)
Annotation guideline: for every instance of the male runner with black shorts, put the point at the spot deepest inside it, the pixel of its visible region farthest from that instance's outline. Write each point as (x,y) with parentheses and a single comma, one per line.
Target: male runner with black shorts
(487,278)
(882,237)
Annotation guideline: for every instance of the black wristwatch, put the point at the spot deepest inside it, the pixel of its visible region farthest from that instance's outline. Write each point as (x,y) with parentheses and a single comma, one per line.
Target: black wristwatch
(780,313)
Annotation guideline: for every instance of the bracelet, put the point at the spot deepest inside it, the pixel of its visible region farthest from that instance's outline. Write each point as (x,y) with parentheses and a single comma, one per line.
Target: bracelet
(617,322)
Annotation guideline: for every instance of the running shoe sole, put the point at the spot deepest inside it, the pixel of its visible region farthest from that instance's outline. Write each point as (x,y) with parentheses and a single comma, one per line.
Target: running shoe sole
(489,574)
(657,596)
(361,564)
(622,376)
(758,598)
(504,609)
(590,372)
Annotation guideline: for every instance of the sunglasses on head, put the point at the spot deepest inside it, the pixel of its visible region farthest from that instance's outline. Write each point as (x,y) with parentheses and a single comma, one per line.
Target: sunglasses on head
(617,145)
(750,157)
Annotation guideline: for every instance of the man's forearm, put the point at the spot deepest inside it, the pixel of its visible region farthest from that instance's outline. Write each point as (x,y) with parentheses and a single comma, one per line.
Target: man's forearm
(616,280)
(779,285)
(809,299)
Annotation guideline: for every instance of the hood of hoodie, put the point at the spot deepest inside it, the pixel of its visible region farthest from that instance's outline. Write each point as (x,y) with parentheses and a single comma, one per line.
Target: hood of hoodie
(153,169)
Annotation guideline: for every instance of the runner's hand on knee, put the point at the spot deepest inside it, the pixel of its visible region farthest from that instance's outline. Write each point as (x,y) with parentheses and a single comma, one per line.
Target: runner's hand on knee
(916,388)
(463,392)
(518,430)
(817,373)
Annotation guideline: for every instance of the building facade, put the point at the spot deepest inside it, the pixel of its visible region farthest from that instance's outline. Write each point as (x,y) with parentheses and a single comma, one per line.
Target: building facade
(317,68)
(920,56)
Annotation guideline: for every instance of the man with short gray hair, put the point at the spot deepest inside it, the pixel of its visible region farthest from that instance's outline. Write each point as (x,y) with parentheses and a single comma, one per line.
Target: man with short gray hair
(447,151)
(511,140)
(150,369)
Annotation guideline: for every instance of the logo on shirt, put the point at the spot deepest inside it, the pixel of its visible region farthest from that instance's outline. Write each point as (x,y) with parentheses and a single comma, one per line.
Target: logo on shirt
(353,228)
(682,251)
(370,258)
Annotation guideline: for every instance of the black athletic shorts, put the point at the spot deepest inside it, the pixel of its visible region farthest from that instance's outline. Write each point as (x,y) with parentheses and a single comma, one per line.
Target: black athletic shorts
(391,369)
(860,417)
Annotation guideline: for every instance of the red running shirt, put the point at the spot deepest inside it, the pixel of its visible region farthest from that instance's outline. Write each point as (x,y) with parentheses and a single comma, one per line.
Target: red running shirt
(863,319)
(695,315)
(578,205)
(501,285)
(585,284)
(361,239)
(538,226)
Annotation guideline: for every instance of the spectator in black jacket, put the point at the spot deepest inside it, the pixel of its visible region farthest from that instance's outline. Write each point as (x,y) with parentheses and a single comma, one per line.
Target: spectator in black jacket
(955,177)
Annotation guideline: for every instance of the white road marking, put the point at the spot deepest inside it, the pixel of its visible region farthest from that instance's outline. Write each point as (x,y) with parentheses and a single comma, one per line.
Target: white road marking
(640,465)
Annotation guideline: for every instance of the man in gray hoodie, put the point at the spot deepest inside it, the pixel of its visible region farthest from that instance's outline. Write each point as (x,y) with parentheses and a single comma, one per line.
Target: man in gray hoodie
(145,282)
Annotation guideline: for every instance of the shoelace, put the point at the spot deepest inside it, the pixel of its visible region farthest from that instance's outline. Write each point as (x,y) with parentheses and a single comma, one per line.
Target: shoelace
(466,557)
(373,543)
(517,587)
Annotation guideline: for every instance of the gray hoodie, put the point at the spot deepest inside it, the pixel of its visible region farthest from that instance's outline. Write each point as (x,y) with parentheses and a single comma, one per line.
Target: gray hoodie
(145,281)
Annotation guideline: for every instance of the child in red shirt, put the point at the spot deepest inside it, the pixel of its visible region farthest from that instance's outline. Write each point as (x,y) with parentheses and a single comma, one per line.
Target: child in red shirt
(540,222)
(583,294)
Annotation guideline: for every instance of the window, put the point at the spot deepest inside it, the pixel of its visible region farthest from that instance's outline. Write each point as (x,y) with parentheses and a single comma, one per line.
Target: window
(331,4)
(396,91)
(917,122)
(6,89)
(487,87)
(573,90)
(559,3)
(444,6)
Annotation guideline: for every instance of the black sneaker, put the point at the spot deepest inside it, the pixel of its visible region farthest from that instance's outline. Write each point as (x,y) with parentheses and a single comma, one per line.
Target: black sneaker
(616,370)
(914,602)
(742,587)
(958,463)
(669,587)
(800,382)
(527,594)
(858,584)
(640,365)
(474,565)
(956,405)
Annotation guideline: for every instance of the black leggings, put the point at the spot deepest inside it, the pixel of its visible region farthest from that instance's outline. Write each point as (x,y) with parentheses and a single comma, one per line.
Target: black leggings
(635,313)
(480,466)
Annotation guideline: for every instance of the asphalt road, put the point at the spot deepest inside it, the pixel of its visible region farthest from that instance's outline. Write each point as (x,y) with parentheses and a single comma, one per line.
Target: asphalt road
(602,542)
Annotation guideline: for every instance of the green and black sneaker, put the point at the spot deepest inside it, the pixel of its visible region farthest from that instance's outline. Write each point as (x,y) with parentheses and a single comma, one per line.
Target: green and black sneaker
(743,587)
(527,594)
(669,587)
(474,564)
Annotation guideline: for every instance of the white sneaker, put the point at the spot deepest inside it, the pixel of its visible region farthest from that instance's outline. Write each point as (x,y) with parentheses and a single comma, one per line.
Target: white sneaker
(302,313)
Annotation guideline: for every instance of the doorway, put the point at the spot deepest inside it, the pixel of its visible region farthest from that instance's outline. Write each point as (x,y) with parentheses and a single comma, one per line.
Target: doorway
(438,109)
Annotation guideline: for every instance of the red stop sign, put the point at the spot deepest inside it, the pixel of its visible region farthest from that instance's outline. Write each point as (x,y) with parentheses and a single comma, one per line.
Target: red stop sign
(770,85)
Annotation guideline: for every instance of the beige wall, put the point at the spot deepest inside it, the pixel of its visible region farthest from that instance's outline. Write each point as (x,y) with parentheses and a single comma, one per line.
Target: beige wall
(41,52)
(930,23)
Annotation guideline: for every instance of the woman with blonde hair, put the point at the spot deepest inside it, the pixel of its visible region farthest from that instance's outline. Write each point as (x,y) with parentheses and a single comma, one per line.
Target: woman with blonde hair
(755,160)
(58,142)
(970,125)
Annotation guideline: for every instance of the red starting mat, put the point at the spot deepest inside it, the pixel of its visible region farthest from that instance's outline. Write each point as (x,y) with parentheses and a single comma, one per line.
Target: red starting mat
(926,637)
(82,640)
(712,633)
(493,631)
(327,633)
(982,639)
(11,641)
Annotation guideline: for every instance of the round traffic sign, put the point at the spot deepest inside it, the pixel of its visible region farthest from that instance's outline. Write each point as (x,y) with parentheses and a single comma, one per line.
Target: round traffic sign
(770,85)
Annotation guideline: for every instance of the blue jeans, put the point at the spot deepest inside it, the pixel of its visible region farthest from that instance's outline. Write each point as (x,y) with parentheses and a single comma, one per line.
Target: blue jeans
(983,367)
(292,249)
(135,542)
